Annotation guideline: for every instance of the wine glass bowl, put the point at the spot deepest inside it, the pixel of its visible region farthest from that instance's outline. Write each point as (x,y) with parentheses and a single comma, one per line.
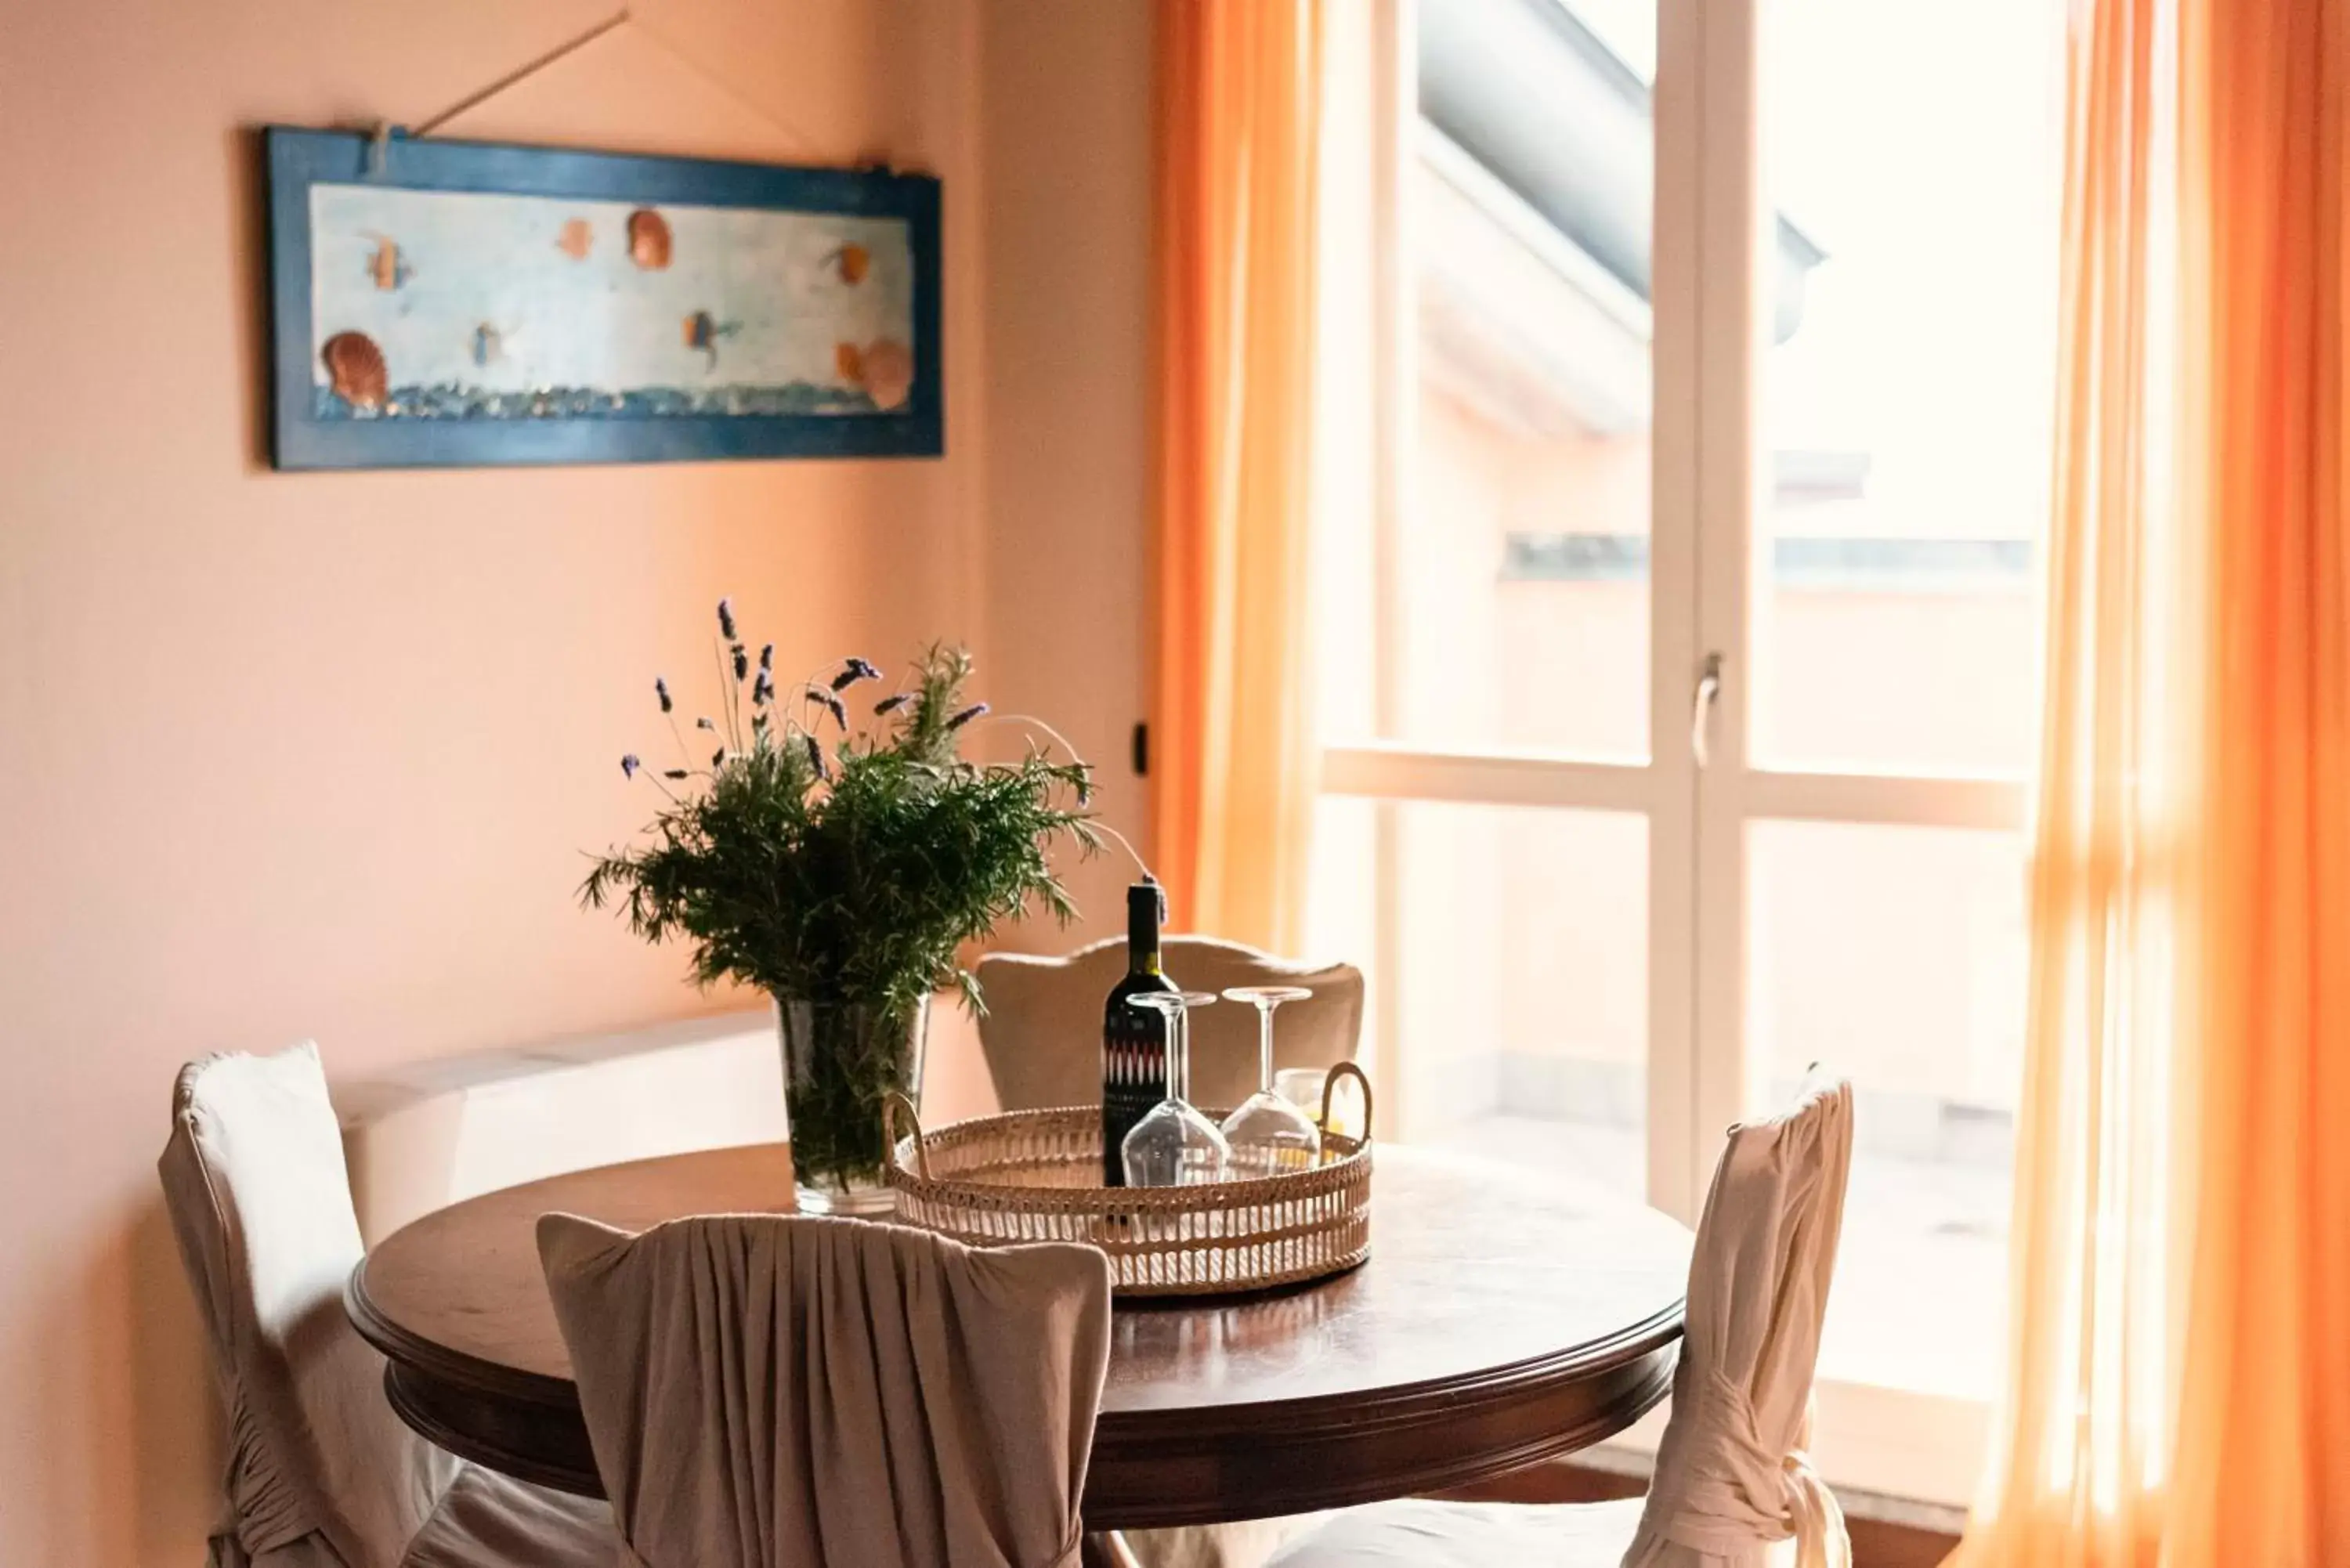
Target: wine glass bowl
(1174,1144)
(1268,1134)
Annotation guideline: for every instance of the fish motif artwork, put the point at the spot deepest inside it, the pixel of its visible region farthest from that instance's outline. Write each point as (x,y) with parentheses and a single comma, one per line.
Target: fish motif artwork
(852,262)
(457,305)
(703,331)
(884,369)
(749,328)
(356,370)
(649,240)
(386,265)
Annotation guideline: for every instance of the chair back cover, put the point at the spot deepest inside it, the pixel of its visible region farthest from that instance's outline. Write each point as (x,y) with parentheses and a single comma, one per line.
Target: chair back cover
(319,1468)
(1042,1034)
(1732,1476)
(773,1391)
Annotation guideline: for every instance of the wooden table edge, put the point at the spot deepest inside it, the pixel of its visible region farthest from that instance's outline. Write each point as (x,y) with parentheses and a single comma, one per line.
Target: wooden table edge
(1634,1389)
(474,1406)
(1409,1403)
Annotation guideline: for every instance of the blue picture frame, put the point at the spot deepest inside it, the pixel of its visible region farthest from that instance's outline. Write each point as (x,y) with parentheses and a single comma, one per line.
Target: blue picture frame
(312,429)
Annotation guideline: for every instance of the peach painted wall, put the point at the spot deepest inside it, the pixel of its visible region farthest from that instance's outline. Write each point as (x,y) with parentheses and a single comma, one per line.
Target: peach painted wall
(317,754)
(1066,112)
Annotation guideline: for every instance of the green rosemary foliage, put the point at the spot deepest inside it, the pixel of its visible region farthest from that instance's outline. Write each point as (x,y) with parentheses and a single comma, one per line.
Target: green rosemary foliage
(853,871)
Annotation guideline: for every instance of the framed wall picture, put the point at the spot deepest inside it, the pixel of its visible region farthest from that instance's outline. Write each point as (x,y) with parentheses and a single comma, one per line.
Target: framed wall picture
(446,304)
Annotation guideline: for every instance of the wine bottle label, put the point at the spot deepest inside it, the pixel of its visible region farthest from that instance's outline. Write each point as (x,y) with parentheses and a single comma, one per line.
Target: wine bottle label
(1134,1080)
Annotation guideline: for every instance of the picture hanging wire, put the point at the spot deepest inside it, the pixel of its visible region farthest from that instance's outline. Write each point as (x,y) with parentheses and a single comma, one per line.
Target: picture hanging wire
(385,133)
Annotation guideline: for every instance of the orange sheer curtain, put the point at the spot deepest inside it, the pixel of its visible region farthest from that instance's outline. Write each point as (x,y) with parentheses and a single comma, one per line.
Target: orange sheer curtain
(1233,736)
(2179,1390)
(2086,1432)
(2262,1468)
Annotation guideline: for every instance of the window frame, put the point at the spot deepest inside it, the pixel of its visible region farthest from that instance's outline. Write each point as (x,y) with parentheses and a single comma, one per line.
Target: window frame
(1710,323)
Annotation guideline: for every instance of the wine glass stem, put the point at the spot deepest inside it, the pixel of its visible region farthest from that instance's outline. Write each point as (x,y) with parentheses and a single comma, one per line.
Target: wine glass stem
(1178,1053)
(1263,1049)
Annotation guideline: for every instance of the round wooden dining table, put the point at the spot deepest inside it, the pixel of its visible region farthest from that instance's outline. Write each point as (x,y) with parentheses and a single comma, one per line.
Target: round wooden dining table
(1504,1316)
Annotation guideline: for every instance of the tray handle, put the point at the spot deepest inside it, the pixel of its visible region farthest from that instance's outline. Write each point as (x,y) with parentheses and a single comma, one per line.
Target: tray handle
(1330,1082)
(896,1099)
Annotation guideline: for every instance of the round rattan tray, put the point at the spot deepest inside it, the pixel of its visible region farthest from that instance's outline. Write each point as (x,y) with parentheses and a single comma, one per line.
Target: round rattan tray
(1036,1176)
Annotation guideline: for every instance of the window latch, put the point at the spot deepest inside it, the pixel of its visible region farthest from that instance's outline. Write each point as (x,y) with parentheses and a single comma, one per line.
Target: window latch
(1709,687)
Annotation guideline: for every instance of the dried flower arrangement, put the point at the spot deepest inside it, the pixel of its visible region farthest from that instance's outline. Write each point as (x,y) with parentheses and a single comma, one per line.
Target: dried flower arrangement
(840,867)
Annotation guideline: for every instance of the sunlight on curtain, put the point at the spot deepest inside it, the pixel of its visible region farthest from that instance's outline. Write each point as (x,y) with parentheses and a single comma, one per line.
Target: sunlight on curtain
(2179,1385)
(2263,1466)
(2085,1431)
(1235,166)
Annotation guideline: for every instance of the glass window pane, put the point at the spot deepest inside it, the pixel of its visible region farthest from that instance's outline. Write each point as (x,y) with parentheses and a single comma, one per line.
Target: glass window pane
(1520,986)
(1897,956)
(1913,159)
(1519,575)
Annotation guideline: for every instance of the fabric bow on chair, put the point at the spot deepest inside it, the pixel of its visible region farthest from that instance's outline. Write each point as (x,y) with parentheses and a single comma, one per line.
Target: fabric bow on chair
(1732,1477)
(1739,1489)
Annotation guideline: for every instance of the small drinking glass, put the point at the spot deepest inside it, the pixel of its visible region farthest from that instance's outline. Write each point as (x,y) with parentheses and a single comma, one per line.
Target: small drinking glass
(1268,1134)
(1304,1087)
(1173,1145)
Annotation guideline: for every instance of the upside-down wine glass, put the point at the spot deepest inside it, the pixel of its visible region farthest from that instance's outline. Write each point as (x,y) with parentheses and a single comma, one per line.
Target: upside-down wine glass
(1267,1133)
(1173,1145)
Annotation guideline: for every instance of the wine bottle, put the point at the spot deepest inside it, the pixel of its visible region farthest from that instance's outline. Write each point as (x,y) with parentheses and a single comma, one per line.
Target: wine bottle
(1134,1039)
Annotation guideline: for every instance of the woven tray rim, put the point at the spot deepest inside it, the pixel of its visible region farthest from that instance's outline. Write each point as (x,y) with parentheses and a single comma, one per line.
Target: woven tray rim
(903,1171)
(1223,1239)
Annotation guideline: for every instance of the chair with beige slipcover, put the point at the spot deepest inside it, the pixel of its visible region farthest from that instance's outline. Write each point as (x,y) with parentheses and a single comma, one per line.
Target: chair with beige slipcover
(787,1391)
(1042,1034)
(1731,1478)
(1042,1038)
(321,1472)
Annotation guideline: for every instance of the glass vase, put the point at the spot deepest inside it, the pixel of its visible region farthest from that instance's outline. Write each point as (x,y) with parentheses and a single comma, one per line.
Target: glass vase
(841,1060)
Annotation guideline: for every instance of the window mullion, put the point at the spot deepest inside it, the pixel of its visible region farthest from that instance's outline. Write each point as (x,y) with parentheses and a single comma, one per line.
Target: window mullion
(1732,219)
(1673,1180)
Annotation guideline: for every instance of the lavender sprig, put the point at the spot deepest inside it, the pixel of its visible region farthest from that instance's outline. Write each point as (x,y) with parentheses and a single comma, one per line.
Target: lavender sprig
(733,728)
(853,671)
(668,712)
(631,765)
(727,619)
(830,704)
(856,831)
